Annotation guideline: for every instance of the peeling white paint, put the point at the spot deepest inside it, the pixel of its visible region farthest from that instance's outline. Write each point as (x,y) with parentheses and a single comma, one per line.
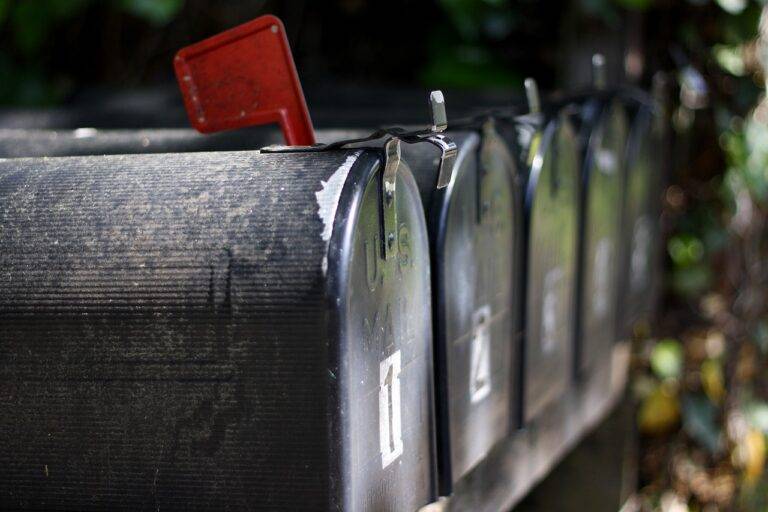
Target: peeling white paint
(328,199)
(84,133)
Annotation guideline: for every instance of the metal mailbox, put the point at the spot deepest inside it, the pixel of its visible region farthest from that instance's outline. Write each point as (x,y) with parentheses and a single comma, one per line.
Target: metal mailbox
(18,143)
(213,331)
(603,133)
(641,225)
(551,213)
(473,225)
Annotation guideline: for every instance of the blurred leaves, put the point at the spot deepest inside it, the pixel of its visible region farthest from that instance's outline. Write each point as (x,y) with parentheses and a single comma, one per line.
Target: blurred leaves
(27,28)
(659,412)
(475,19)
(760,336)
(32,21)
(757,415)
(750,453)
(157,12)
(733,6)
(699,422)
(685,249)
(468,67)
(691,274)
(464,54)
(4,7)
(730,58)
(746,147)
(712,380)
(718,453)
(638,5)
(667,359)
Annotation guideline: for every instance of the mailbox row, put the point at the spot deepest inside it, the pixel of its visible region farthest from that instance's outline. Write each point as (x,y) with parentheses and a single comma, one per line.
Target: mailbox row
(211,327)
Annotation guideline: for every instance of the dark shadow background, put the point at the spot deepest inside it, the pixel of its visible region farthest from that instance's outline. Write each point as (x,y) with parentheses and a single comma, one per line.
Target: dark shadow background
(52,51)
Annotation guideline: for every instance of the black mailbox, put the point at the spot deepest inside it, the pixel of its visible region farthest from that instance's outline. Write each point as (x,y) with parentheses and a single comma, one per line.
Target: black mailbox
(641,224)
(18,143)
(473,225)
(475,240)
(551,213)
(603,134)
(213,331)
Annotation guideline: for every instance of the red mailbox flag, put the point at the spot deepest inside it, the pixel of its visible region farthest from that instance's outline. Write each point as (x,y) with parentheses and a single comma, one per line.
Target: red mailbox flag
(244,77)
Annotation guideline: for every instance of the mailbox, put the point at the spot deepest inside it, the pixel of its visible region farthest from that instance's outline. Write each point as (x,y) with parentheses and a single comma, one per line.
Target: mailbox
(474,229)
(641,225)
(603,134)
(473,225)
(551,213)
(213,331)
(17,143)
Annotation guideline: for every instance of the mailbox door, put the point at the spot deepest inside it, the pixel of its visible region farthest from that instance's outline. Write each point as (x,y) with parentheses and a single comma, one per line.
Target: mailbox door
(473,224)
(640,227)
(552,205)
(602,184)
(385,421)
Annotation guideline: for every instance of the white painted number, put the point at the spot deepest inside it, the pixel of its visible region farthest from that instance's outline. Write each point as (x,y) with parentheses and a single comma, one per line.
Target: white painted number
(601,274)
(390,421)
(606,161)
(550,309)
(480,355)
(641,239)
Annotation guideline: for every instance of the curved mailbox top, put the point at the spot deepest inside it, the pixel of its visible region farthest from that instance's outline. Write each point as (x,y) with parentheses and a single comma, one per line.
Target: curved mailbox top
(552,206)
(15,143)
(195,331)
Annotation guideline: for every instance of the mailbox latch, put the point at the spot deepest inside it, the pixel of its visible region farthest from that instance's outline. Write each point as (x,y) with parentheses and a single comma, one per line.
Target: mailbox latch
(393,161)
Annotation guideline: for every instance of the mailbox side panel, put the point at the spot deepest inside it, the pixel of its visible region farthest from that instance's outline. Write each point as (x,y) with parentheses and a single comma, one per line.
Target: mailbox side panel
(552,206)
(385,414)
(602,183)
(641,221)
(475,258)
(164,332)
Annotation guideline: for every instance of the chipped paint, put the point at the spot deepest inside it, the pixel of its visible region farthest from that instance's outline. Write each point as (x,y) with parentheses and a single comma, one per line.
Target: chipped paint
(328,200)
(84,133)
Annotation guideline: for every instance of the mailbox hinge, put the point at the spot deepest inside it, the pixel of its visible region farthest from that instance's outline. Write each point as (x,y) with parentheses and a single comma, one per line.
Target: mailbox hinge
(393,136)
(392,163)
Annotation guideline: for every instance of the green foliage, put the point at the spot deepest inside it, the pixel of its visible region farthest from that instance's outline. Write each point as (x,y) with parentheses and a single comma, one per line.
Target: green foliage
(4,8)
(757,415)
(476,19)
(760,336)
(27,28)
(733,6)
(746,148)
(667,359)
(700,422)
(32,21)
(462,54)
(636,5)
(157,12)
(730,59)
(691,273)
(468,67)
(685,249)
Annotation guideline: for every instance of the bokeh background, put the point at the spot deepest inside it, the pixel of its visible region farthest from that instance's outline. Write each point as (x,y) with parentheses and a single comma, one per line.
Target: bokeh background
(700,386)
